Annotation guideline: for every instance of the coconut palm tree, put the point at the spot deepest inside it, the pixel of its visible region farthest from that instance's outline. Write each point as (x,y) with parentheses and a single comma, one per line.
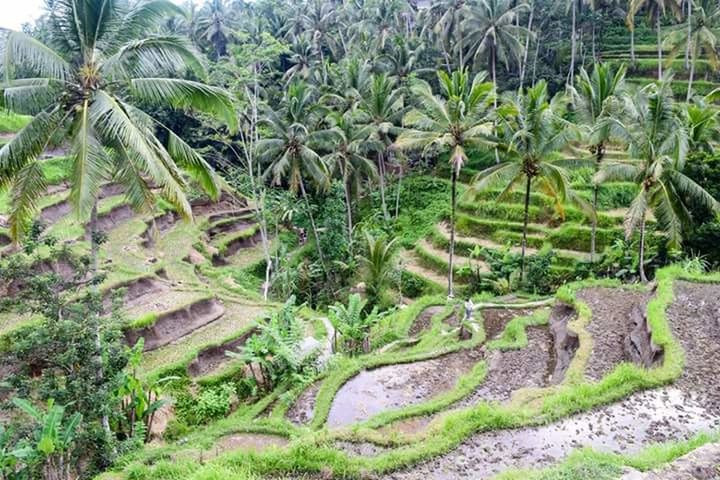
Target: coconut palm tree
(349,158)
(384,106)
(458,120)
(595,97)
(493,33)
(444,18)
(658,140)
(289,148)
(703,126)
(655,10)
(532,133)
(701,38)
(213,26)
(85,86)
(378,262)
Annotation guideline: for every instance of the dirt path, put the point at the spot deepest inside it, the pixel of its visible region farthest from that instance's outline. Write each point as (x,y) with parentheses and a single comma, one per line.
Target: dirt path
(395,386)
(689,406)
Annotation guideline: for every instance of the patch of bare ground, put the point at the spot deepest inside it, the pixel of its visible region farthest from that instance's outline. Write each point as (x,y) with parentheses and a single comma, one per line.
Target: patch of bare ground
(136,292)
(55,212)
(247,442)
(173,325)
(422,322)
(4,240)
(610,326)
(232,226)
(211,358)
(303,409)
(112,219)
(408,426)
(694,318)
(225,203)
(395,386)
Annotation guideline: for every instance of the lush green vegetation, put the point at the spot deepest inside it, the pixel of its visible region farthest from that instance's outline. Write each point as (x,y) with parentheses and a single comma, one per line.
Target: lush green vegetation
(282,195)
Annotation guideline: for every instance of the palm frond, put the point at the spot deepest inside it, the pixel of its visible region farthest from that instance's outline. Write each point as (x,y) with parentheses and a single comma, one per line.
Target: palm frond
(23,50)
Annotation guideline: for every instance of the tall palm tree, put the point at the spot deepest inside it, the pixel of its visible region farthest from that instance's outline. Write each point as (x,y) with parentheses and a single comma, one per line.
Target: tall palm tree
(594,97)
(213,26)
(289,148)
(701,38)
(349,146)
(384,106)
(494,33)
(444,18)
(85,86)
(658,140)
(655,10)
(457,120)
(702,122)
(319,20)
(532,132)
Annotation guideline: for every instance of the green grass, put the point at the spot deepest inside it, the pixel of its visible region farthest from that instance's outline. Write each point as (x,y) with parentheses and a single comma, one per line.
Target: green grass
(12,122)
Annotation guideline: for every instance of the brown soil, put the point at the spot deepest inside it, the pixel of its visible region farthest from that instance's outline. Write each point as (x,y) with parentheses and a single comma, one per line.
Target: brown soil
(110,190)
(694,318)
(136,291)
(496,319)
(422,322)
(227,202)
(163,224)
(408,426)
(228,214)
(234,247)
(303,410)
(55,212)
(396,386)
(509,371)
(174,325)
(230,227)
(211,358)
(4,240)
(610,326)
(360,449)
(112,219)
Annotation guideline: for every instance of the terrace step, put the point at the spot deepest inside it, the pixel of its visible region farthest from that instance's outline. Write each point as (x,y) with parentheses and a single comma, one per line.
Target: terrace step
(412,264)
(427,252)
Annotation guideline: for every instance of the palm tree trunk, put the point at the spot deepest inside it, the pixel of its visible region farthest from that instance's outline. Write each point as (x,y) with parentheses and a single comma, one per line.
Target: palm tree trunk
(348,208)
(314,227)
(690,78)
(632,45)
(453,204)
(573,46)
(535,59)
(643,278)
(594,47)
(523,68)
(525,227)
(458,30)
(599,154)
(493,61)
(689,35)
(659,45)
(397,192)
(381,171)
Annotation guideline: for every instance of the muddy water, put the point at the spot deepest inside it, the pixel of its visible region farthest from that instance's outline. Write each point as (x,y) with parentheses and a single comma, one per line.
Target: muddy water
(395,386)
(303,409)
(624,427)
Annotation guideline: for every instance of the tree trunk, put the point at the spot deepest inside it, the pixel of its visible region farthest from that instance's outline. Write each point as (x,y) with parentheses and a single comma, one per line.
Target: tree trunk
(594,47)
(690,78)
(573,46)
(599,154)
(493,61)
(458,30)
(689,35)
(523,68)
(659,45)
(535,59)
(525,227)
(348,209)
(453,203)
(314,227)
(381,175)
(643,278)
(397,193)
(632,45)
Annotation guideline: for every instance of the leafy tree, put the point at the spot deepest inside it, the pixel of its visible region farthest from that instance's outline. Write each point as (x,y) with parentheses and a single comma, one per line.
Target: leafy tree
(458,120)
(658,140)
(595,97)
(532,132)
(378,263)
(13,455)
(353,324)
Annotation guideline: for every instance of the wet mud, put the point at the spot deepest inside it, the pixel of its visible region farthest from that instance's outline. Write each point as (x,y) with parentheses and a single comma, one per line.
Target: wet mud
(303,410)
(423,321)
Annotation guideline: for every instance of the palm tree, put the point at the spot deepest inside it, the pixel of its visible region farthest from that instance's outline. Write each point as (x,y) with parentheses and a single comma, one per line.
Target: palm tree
(703,126)
(453,123)
(378,263)
(658,140)
(384,106)
(593,99)
(349,146)
(700,38)
(213,26)
(444,18)
(655,9)
(532,132)
(494,33)
(319,20)
(289,149)
(87,94)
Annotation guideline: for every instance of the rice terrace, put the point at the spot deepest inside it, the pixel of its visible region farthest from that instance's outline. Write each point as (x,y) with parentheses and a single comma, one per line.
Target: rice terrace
(360,239)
